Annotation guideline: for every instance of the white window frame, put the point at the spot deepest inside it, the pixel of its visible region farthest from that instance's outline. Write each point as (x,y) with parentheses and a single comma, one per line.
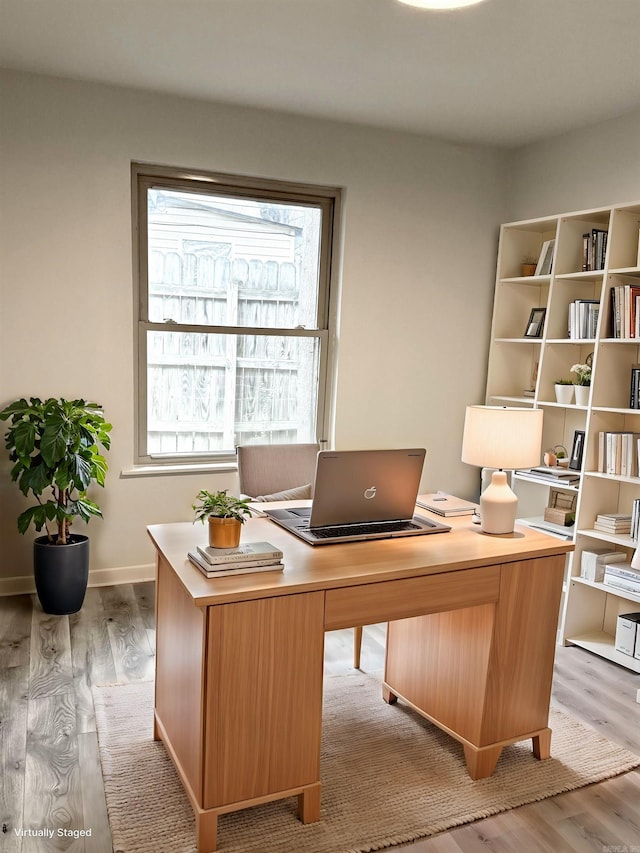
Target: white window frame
(146,176)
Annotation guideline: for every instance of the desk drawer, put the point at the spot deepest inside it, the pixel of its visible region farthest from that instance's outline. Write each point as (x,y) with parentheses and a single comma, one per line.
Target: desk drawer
(389,600)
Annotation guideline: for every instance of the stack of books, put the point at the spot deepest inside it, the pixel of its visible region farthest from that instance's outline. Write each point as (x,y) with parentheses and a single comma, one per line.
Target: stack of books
(246,558)
(551,474)
(622,576)
(613,522)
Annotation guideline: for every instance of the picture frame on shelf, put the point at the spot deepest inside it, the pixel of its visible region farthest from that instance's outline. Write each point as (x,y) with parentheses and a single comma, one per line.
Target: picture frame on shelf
(577,450)
(535,323)
(545,261)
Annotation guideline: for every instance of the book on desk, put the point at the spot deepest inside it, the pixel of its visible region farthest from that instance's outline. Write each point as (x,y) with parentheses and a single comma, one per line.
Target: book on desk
(446,505)
(245,559)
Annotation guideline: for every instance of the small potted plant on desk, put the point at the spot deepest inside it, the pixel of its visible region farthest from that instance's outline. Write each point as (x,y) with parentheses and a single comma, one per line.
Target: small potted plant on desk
(55,449)
(225,513)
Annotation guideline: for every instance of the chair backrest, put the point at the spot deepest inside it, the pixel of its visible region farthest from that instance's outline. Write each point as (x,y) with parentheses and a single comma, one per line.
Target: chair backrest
(265,469)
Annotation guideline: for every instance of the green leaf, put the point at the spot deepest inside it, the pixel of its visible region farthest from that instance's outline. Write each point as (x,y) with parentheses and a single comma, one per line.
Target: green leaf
(53,444)
(36,515)
(24,438)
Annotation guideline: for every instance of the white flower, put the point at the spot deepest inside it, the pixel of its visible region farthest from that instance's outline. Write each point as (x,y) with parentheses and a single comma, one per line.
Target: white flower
(583,372)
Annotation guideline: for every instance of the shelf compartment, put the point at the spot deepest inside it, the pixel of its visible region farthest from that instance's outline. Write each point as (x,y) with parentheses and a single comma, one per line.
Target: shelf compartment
(521,239)
(514,304)
(604,645)
(557,530)
(611,538)
(564,292)
(512,370)
(624,250)
(612,378)
(569,253)
(557,361)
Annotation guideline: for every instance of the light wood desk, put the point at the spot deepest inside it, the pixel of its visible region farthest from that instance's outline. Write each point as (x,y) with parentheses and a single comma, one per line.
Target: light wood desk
(238,701)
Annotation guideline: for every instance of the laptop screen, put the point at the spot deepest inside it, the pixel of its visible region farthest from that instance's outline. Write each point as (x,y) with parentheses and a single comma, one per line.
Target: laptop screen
(356,486)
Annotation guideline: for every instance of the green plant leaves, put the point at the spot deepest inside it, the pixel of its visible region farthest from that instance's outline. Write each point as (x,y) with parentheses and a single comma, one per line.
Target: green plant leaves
(56,445)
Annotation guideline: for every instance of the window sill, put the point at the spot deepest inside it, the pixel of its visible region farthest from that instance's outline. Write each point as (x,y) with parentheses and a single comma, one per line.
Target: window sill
(170,470)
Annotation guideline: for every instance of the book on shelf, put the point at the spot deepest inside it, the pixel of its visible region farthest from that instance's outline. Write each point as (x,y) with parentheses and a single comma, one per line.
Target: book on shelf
(594,248)
(226,569)
(592,563)
(622,569)
(625,311)
(247,552)
(616,522)
(618,453)
(635,520)
(448,505)
(556,471)
(549,474)
(583,318)
(634,389)
(622,576)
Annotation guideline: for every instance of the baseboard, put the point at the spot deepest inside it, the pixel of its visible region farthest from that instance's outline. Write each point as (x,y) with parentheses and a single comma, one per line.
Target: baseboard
(98,577)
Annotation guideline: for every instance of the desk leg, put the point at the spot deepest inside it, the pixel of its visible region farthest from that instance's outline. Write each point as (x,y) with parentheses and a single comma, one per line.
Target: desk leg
(481,762)
(206,831)
(388,695)
(542,744)
(357,646)
(309,804)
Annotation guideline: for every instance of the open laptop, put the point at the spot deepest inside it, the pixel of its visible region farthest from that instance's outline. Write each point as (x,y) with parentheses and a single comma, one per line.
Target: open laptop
(361,494)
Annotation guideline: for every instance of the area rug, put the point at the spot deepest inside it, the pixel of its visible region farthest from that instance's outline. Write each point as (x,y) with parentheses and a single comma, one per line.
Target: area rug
(388,777)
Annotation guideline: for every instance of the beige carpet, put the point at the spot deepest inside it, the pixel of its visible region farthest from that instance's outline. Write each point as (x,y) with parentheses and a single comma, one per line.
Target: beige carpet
(388,777)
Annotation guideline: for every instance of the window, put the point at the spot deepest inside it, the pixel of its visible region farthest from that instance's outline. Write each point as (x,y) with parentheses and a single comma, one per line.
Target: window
(232,312)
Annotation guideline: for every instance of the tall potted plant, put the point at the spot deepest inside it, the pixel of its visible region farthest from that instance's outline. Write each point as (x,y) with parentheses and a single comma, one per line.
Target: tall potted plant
(55,446)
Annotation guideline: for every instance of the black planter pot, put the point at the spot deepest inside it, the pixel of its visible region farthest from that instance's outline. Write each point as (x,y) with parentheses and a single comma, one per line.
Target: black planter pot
(61,573)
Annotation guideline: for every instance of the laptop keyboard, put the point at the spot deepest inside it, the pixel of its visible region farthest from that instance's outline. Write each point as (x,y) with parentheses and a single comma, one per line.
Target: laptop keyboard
(360,529)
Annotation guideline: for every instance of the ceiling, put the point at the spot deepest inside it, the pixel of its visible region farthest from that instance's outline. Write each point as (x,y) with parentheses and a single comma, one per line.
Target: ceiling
(506,72)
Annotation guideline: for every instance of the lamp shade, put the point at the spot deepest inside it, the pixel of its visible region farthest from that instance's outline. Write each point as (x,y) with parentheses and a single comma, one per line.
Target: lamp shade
(500,437)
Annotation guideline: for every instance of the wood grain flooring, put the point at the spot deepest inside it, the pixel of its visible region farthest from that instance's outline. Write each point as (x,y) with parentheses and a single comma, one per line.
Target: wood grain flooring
(50,766)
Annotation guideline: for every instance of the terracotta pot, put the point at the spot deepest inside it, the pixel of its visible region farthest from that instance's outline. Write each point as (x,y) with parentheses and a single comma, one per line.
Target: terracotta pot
(224,532)
(529,269)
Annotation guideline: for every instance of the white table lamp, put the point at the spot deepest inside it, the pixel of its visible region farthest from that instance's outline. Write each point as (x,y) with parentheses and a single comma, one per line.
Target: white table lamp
(502,438)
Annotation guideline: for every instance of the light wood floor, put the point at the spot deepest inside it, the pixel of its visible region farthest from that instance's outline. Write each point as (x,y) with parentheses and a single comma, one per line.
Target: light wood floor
(50,775)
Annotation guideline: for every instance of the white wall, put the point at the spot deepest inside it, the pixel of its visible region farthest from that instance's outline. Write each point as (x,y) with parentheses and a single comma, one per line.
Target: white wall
(420,231)
(596,166)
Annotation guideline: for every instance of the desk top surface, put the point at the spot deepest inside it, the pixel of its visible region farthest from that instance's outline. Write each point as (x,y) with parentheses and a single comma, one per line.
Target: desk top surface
(308,568)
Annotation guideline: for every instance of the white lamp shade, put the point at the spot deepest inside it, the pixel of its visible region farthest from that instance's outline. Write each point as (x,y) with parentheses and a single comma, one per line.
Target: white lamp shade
(500,437)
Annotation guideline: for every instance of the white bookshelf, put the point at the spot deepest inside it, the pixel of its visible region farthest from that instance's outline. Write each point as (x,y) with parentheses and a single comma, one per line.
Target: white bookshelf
(518,363)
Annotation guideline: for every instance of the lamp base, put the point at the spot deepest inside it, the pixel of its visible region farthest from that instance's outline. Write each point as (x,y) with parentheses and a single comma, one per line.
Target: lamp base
(498,505)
